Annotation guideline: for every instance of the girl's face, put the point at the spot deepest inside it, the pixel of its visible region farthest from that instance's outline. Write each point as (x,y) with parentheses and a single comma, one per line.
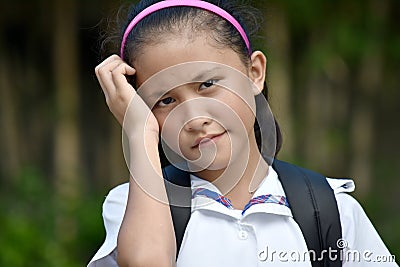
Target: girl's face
(202,97)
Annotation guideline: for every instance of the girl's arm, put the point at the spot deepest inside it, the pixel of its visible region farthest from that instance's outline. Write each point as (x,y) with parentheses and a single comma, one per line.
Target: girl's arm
(146,237)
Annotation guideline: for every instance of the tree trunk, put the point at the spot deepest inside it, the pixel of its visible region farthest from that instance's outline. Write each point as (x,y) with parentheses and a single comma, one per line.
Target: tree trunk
(66,153)
(279,77)
(10,158)
(363,124)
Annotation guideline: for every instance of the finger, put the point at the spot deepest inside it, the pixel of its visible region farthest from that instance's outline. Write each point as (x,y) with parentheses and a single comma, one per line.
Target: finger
(103,69)
(119,77)
(110,65)
(108,60)
(104,75)
(126,69)
(113,66)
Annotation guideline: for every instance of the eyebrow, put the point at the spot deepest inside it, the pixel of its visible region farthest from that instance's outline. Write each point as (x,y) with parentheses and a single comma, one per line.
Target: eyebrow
(156,95)
(201,76)
(198,78)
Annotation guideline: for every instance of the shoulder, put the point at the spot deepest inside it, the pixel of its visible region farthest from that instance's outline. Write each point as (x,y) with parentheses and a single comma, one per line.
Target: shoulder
(349,208)
(341,185)
(113,212)
(115,198)
(358,232)
(114,208)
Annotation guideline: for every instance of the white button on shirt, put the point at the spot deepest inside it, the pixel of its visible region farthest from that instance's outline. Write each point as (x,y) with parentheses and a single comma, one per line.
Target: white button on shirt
(264,235)
(243,234)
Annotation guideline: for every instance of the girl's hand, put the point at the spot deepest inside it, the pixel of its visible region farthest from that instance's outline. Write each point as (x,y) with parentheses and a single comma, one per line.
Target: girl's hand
(126,105)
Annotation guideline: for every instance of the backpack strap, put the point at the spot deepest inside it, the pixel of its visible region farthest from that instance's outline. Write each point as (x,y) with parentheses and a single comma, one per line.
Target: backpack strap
(314,208)
(310,197)
(181,194)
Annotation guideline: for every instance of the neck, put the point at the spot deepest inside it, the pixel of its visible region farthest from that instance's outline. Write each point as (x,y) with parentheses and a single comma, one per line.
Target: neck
(239,181)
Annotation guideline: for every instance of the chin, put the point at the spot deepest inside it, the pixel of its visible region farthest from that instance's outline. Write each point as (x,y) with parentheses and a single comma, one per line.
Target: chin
(219,164)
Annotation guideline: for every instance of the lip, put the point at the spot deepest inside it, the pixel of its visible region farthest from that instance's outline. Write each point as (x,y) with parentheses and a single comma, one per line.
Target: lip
(206,139)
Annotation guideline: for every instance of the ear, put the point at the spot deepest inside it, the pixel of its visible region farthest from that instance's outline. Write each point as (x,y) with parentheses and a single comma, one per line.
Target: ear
(258,69)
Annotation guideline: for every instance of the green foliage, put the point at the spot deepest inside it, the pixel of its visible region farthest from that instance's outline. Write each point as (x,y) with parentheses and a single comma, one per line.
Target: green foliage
(28,223)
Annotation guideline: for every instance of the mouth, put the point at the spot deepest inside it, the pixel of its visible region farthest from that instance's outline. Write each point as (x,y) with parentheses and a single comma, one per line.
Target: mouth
(207,139)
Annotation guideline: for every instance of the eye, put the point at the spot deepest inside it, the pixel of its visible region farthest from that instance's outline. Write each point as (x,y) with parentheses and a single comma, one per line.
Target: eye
(208,84)
(165,102)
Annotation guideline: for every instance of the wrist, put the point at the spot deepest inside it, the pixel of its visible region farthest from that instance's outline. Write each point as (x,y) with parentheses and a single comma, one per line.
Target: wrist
(142,155)
(143,137)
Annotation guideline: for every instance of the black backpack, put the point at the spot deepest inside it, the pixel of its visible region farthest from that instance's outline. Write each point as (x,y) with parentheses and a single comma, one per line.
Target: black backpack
(310,197)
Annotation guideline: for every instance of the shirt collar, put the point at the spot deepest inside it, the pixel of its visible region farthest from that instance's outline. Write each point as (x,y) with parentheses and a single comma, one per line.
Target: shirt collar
(269,185)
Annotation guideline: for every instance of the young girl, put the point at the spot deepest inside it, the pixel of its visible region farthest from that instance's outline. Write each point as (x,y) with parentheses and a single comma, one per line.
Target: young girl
(197,79)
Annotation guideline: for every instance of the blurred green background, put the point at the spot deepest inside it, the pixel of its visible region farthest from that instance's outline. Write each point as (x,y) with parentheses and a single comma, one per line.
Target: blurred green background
(333,73)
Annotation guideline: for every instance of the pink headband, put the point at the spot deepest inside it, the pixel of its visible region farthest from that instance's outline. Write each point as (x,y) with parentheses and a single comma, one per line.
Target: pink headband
(191,3)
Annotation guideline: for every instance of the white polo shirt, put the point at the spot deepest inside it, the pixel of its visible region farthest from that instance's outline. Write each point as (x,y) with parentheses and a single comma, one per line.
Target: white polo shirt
(265,234)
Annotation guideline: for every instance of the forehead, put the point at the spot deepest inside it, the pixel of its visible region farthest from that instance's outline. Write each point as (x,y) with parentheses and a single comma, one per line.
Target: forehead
(177,50)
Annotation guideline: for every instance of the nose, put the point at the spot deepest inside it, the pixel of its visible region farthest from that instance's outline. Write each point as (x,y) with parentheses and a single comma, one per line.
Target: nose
(197,124)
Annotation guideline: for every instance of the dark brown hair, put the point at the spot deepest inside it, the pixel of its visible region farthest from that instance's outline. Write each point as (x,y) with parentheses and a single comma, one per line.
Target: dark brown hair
(166,23)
